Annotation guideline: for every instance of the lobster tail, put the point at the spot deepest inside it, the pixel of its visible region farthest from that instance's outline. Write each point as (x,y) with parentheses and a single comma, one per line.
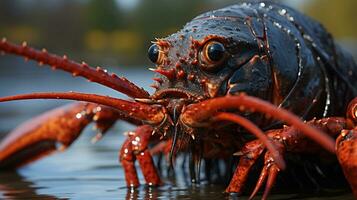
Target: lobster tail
(97,75)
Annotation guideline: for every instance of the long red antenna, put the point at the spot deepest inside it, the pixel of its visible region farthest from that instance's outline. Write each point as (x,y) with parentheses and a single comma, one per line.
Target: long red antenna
(97,75)
(149,114)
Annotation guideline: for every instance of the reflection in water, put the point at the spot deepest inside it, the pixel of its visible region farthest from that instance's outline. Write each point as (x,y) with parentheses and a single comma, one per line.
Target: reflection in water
(148,193)
(171,192)
(15,186)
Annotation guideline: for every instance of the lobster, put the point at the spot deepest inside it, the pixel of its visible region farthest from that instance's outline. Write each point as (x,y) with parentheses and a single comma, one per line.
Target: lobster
(254,68)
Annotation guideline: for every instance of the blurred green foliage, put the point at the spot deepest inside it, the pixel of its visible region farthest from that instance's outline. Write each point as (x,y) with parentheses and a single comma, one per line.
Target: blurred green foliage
(95,29)
(103,15)
(338,16)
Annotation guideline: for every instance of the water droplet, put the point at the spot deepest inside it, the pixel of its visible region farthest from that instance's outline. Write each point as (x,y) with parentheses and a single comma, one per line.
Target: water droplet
(282,12)
(277,25)
(78,115)
(98,109)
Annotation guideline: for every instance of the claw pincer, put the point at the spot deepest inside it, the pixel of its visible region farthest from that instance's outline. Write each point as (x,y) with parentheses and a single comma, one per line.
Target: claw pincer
(49,132)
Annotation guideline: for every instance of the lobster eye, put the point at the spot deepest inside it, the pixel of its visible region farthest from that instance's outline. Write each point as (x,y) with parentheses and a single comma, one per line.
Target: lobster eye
(154,53)
(212,55)
(215,51)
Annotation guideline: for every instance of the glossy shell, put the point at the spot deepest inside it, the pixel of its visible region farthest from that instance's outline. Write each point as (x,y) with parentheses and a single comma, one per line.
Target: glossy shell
(275,53)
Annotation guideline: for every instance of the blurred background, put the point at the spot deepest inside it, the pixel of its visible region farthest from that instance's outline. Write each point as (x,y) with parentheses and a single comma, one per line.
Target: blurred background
(114,32)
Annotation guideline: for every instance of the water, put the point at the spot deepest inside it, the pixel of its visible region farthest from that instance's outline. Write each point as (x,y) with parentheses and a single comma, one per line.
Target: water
(86,171)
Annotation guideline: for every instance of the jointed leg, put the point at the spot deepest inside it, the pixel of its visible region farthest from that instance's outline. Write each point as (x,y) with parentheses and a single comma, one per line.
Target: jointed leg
(136,148)
(250,153)
(287,139)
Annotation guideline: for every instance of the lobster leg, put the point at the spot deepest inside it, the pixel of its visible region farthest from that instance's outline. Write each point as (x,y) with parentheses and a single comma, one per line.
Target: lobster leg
(201,114)
(287,139)
(40,136)
(136,148)
(163,147)
(269,172)
(250,154)
(346,147)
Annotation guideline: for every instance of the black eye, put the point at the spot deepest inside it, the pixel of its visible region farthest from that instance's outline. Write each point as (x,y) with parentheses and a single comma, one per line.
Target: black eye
(212,55)
(154,53)
(215,51)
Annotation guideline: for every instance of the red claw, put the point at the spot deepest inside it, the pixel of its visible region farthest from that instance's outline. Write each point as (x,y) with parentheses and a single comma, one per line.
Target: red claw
(41,135)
